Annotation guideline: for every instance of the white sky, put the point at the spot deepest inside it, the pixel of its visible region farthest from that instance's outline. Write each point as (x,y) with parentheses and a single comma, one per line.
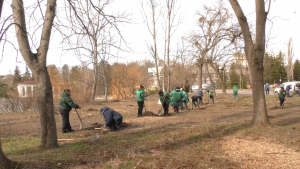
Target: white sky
(285,25)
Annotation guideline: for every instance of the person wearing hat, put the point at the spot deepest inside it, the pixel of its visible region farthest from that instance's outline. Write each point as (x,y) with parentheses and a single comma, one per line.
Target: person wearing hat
(140,98)
(66,104)
(267,89)
(185,99)
(176,99)
(112,118)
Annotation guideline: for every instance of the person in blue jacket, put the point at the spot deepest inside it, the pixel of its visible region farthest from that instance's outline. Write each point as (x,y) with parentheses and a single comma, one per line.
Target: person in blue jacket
(112,118)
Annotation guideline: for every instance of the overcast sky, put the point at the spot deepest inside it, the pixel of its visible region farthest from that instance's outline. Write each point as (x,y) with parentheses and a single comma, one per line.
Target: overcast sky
(285,17)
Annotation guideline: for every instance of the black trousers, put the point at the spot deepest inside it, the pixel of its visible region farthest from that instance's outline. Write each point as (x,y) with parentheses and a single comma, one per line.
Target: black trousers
(65,120)
(140,111)
(166,108)
(267,92)
(113,124)
(182,103)
(281,101)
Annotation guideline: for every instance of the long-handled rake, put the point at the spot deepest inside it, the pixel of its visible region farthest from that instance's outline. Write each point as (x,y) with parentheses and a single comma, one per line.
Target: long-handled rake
(81,124)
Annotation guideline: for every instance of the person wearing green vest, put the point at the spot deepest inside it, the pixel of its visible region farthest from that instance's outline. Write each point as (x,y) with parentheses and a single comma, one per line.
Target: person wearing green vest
(211,96)
(164,98)
(140,98)
(66,104)
(281,95)
(176,99)
(185,99)
(235,91)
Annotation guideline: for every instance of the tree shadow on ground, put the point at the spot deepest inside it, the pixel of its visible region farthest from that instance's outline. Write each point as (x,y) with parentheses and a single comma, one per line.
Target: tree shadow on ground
(287,121)
(238,115)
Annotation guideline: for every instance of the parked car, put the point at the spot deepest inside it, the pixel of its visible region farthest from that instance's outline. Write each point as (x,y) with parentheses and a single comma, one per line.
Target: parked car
(208,86)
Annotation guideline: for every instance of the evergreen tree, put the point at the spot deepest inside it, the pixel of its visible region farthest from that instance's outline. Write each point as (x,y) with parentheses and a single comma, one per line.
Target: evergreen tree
(297,70)
(27,75)
(268,65)
(17,75)
(65,72)
(4,88)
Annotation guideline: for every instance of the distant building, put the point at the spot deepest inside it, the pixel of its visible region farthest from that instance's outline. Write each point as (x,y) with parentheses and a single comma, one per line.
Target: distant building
(152,75)
(27,89)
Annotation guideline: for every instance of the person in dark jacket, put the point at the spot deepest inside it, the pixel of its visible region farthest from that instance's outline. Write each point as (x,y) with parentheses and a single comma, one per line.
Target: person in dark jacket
(281,95)
(66,104)
(140,98)
(200,94)
(288,88)
(267,89)
(112,118)
(195,99)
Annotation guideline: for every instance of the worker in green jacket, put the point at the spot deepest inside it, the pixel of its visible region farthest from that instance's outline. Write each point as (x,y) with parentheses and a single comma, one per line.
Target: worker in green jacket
(66,104)
(281,95)
(164,98)
(140,98)
(211,96)
(235,91)
(176,99)
(185,99)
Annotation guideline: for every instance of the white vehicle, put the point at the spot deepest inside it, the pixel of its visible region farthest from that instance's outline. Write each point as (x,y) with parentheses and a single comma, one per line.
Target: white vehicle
(294,86)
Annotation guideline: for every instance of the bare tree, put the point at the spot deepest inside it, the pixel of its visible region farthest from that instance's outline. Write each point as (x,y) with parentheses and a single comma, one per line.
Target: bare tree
(93,31)
(290,57)
(151,24)
(37,64)
(255,51)
(214,28)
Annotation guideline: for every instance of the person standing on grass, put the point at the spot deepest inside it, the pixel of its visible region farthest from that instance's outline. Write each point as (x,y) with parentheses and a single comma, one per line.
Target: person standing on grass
(66,104)
(288,88)
(176,99)
(112,118)
(235,91)
(185,99)
(211,96)
(267,89)
(281,95)
(200,94)
(140,98)
(164,98)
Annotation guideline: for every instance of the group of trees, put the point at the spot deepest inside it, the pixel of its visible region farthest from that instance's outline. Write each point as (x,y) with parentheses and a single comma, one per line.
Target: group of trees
(91,35)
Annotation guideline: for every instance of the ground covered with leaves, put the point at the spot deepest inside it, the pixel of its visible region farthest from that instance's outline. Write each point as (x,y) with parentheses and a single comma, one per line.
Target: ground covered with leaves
(216,135)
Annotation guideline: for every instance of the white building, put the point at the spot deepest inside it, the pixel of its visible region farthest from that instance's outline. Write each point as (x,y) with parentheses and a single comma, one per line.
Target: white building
(152,74)
(27,89)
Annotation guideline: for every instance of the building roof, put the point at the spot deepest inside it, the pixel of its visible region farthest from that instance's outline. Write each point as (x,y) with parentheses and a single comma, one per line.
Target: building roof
(28,82)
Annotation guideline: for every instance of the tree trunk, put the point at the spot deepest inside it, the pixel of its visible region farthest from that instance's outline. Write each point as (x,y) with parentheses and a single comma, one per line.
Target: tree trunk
(200,75)
(255,56)
(37,64)
(6,163)
(94,89)
(221,80)
(211,81)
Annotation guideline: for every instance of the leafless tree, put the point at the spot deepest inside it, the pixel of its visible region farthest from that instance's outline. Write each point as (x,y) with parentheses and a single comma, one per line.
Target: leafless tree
(215,27)
(37,64)
(151,24)
(290,57)
(92,34)
(255,51)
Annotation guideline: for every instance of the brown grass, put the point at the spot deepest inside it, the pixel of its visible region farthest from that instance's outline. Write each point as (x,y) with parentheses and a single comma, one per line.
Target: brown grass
(214,136)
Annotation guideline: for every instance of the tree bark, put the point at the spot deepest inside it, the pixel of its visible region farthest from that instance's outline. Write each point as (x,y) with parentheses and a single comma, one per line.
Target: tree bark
(221,80)
(94,89)
(200,75)
(255,57)
(37,64)
(6,163)
(211,81)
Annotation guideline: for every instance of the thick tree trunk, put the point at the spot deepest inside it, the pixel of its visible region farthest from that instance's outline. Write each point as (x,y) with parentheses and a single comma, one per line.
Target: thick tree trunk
(37,64)
(6,163)
(255,56)
(94,89)
(46,109)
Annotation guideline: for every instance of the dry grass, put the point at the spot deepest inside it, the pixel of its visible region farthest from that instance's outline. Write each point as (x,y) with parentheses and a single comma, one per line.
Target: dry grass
(214,136)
